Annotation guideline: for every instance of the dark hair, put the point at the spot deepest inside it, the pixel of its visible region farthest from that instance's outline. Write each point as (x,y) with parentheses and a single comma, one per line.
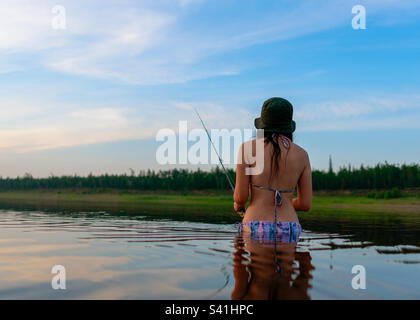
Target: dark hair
(271,137)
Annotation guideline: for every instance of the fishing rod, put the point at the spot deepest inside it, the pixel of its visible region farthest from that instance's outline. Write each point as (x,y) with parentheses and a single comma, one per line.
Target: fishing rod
(228,177)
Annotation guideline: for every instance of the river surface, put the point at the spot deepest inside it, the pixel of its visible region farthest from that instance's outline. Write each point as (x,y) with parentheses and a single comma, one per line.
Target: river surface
(108,256)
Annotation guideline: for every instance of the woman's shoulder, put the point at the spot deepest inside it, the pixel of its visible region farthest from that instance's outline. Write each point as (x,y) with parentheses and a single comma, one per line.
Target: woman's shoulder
(299,150)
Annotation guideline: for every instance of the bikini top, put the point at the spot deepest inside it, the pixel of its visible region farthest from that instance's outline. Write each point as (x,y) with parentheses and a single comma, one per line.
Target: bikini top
(278,199)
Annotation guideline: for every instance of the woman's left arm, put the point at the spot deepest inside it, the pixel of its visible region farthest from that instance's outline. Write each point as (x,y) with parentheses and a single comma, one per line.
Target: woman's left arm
(241,194)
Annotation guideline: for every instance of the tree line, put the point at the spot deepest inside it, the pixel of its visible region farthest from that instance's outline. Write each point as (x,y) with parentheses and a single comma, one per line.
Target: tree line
(379,177)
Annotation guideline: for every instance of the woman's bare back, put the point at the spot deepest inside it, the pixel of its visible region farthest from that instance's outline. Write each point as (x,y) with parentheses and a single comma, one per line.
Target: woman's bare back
(293,169)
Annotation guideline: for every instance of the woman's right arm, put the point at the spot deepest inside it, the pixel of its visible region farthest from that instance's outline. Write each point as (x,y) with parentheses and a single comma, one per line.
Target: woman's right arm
(304,200)
(241,193)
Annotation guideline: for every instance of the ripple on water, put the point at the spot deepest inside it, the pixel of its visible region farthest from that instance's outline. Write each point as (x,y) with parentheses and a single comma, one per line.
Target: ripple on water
(117,257)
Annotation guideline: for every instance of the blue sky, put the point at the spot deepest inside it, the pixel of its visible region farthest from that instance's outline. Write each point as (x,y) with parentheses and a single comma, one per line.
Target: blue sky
(91,97)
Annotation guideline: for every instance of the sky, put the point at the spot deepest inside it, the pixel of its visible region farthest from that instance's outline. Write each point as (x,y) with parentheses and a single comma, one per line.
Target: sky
(90,95)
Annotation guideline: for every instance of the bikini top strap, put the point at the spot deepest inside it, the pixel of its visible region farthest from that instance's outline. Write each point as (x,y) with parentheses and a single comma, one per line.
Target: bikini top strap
(285,140)
(271,189)
(277,193)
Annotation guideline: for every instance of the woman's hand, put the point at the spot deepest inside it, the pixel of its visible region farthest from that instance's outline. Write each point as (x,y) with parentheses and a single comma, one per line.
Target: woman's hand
(238,207)
(299,206)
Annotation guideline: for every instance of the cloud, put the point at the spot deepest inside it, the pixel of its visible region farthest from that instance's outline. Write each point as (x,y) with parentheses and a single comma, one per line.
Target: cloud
(31,125)
(9,68)
(160,42)
(184,3)
(27,129)
(102,117)
(129,41)
(157,42)
(362,113)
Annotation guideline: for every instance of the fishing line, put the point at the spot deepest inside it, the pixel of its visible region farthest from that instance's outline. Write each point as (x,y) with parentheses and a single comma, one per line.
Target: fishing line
(228,177)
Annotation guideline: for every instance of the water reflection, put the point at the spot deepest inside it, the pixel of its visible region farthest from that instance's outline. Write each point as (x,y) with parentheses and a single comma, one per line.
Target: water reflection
(133,257)
(270,270)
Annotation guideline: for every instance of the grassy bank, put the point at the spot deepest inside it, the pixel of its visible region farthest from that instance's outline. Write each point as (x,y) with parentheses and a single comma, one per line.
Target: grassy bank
(206,206)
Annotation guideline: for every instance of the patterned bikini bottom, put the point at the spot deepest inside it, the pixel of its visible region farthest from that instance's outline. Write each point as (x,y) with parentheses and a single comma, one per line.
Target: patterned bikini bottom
(269,231)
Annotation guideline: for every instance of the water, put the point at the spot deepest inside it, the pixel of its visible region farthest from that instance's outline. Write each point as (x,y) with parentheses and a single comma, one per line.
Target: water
(125,257)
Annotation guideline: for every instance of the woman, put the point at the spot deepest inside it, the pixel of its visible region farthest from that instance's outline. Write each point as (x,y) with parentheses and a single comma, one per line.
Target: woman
(286,167)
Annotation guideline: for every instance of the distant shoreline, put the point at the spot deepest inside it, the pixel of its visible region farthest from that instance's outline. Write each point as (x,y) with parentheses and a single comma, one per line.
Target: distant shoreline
(206,206)
(356,192)
(382,176)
